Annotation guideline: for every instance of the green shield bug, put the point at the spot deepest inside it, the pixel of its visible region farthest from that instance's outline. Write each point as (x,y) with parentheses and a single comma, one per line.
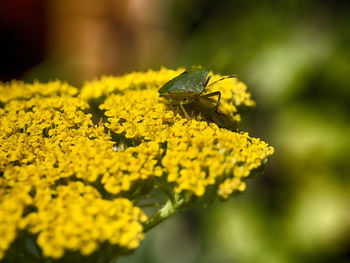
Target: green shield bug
(188,87)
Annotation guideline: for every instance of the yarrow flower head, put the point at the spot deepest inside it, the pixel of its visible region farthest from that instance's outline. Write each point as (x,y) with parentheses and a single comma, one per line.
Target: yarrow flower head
(197,155)
(51,155)
(76,184)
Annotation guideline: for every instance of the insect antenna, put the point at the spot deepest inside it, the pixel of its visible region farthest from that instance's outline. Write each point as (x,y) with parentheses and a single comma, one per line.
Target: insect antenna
(227,77)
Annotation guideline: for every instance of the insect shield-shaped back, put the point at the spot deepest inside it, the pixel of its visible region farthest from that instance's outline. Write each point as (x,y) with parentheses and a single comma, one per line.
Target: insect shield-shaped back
(193,80)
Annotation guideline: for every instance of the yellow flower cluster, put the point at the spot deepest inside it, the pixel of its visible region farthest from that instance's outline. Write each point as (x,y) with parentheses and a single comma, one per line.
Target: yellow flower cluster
(110,84)
(47,140)
(21,90)
(78,219)
(73,183)
(133,165)
(197,154)
(12,204)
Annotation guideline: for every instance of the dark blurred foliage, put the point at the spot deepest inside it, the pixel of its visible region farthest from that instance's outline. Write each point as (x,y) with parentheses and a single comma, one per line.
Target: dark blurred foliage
(23,36)
(295,58)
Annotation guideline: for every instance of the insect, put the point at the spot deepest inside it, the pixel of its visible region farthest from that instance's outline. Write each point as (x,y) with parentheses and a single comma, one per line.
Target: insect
(188,87)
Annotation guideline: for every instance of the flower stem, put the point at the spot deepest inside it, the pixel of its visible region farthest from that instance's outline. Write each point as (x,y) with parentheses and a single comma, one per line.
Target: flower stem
(169,209)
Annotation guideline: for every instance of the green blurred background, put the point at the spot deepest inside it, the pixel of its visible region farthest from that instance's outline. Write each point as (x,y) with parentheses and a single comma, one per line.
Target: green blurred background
(295,58)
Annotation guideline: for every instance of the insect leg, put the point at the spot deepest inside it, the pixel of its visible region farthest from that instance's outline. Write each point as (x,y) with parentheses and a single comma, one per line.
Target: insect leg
(207,97)
(183,109)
